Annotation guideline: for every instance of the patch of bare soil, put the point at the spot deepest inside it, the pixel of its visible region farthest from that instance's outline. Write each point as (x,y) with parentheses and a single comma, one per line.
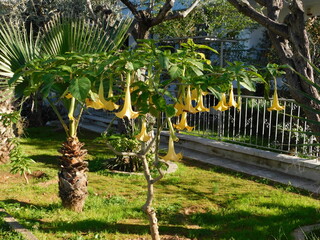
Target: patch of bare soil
(8,177)
(193,209)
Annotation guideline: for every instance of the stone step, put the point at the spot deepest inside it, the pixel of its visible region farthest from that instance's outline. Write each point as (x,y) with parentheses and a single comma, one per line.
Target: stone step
(99,119)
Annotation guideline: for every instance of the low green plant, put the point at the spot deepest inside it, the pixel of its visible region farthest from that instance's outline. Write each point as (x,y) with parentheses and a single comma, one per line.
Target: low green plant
(122,143)
(20,163)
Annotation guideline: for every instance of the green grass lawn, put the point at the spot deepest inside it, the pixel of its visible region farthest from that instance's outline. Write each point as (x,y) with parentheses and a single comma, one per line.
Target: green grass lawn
(196,202)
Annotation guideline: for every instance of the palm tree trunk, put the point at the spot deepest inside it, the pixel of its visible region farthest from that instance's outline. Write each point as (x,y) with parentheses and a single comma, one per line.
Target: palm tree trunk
(6,127)
(72,176)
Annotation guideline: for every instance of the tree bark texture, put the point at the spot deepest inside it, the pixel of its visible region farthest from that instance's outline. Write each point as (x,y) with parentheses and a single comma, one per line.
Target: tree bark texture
(145,19)
(72,176)
(6,129)
(147,207)
(291,42)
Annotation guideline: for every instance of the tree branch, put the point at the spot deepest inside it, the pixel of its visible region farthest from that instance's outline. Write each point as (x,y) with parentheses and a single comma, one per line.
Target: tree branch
(245,8)
(89,5)
(163,12)
(121,153)
(177,14)
(131,7)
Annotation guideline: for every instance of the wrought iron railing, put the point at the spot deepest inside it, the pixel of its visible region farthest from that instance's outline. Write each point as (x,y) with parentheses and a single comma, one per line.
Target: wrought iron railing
(255,126)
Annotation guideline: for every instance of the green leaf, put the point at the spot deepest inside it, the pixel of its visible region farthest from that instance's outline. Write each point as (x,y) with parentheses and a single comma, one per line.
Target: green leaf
(79,88)
(48,81)
(160,102)
(207,47)
(164,61)
(175,71)
(170,111)
(66,68)
(15,77)
(247,83)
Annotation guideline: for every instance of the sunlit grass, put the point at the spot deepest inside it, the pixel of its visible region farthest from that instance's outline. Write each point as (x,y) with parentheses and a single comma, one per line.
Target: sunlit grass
(197,201)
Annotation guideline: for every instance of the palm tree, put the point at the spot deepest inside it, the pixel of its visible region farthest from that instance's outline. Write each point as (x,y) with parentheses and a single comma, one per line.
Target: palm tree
(16,49)
(61,35)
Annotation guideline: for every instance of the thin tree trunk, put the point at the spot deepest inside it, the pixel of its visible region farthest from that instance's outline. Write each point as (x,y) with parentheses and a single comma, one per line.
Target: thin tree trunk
(147,207)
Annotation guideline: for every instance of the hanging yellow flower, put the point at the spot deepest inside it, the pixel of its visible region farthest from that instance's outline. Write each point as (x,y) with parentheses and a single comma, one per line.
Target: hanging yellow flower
(179,106)
(232,102)
(200,107)
(68,95)
(143,135)
(195,94)
(188,102)
(127,108)
(171,155)
(171,130)
(183,123)
(108,105)
(95,102)
(239,103)
(275,103)
(222,105)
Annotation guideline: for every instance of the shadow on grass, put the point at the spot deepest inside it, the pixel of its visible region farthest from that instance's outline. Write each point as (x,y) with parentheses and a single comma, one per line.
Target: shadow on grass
(48,160)
(126,228)
(225,224)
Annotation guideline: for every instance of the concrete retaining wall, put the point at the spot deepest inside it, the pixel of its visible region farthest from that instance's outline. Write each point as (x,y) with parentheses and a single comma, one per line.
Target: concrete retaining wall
(308,169)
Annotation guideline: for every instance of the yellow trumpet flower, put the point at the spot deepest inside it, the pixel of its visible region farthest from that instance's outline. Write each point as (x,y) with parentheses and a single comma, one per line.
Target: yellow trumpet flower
(275,103)
(222,105)
(171,155)
(183,123)
(172,132)
(195,94)
(188,102)
(127,108)
(108,105)
(143,135)
(232,102)
(239,103)
(95,102)
(200,107)
(68,96)
(179,106)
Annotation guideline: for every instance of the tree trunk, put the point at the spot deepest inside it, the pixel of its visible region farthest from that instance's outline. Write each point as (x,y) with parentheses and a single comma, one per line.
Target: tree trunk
(72,176)
(295,52)
(147,207)
(6,128)
(291,42)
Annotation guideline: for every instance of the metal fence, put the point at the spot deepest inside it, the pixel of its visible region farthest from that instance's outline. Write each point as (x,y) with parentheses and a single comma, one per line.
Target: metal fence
(255,126)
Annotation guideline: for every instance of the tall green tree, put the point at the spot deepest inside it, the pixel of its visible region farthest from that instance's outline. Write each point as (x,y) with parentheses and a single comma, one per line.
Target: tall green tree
(63,75)
(214,18)
(289,38)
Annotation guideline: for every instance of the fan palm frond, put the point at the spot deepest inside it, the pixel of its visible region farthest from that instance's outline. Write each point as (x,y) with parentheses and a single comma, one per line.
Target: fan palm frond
(66,34)
(17,47)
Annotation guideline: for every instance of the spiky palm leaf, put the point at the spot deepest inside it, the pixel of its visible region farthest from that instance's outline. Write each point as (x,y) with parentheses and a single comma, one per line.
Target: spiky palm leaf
(17,48)
(66,34)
